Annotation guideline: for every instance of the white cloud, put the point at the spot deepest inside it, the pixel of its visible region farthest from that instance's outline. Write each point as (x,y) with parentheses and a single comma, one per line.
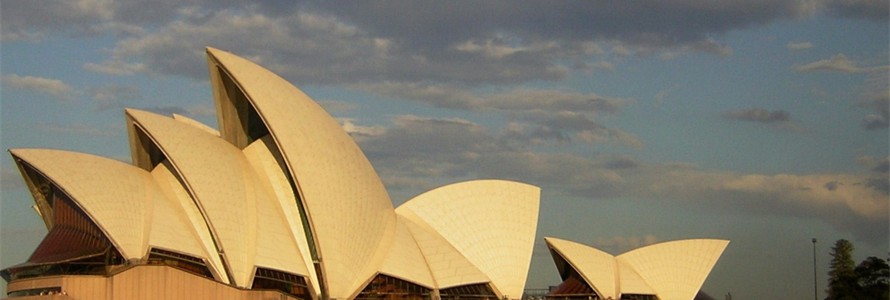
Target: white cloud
(114,96)
(620,244)
(360,132)
(659,97)
(759,115)
(432,150)
(54,87)
(490,48)
(76,129)
(837,63)
(875,97)
(115,67)
(10,179)
(799,45)
(535,115)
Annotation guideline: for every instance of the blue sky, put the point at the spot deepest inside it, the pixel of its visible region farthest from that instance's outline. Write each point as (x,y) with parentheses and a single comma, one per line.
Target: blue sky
(761,122)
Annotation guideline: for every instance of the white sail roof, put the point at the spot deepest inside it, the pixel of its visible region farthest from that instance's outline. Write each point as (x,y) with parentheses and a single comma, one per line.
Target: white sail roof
(350,215)
(508,212)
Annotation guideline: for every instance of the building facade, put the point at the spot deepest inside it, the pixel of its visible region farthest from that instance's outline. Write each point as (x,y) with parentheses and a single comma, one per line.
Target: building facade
(280,203)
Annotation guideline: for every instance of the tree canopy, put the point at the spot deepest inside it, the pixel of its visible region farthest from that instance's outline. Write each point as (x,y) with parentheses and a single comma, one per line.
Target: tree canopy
(868,280)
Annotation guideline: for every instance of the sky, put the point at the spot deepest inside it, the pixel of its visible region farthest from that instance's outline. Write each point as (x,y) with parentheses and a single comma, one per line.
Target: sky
(763,122)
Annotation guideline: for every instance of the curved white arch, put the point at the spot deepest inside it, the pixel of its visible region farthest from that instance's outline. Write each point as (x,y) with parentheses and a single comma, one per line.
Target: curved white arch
(598,268)
(241,211)
(405,259)
(207,167)
(676,269)
(506,210)
(350,214)
(192,236)
(115,195)
(272,174)
(447,265)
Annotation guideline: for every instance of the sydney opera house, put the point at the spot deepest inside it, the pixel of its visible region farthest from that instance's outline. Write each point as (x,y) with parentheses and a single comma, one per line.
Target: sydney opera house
(280,203)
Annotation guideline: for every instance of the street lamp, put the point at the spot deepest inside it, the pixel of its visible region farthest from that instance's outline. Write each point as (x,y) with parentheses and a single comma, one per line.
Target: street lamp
(815,282)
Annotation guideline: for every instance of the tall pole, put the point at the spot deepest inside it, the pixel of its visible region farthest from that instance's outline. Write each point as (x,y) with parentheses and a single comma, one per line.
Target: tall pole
(815,281)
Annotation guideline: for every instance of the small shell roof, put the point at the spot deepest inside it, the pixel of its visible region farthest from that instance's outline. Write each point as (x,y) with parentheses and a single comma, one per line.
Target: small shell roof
(669,270)
(676,269)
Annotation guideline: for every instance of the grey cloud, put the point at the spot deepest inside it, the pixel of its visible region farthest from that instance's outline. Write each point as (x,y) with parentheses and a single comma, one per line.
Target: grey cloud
(621,244)
(419,153)
(23,19)
(878,165)
(622,163)
(534,115)
(527,99)
(314,48)
(114,96)
(837,63)
(874,122)
(799,45)
(115,67)
(458,97)
(876,10)
(444,148)
(879,184)
(567,126)
(845,203)
(759,115)
(10,179)
(477,43)
(876,99)
(78,129)
(663,23)
(883,166)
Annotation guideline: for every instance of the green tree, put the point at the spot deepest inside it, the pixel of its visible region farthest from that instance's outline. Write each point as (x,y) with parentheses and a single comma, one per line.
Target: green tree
(873,276)
(842,281)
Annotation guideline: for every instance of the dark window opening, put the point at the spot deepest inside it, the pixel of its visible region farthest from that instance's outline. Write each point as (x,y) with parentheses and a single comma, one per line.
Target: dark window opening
(638,297)
(74,245)
(183,262)
(391,288)
(42,190)
(267,279)
(251,126)
(573,287)
(73,235)
(470,291)
(149,149)
(53,290)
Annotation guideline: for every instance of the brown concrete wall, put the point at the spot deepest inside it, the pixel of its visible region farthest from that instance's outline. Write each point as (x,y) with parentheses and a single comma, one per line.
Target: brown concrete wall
(142,282)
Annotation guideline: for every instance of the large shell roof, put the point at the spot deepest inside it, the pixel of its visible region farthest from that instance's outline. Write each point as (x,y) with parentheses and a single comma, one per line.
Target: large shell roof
(349,210)
(281,186)
(506,210)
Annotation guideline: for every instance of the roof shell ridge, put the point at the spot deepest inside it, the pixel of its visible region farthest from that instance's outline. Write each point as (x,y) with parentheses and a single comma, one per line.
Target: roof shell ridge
(334,179)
